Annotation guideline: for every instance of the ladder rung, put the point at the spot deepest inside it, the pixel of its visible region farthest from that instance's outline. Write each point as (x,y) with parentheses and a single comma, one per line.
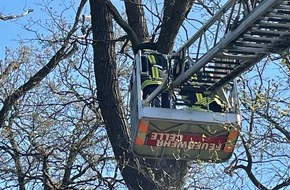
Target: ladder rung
(278,15)
(277,19)
(203,81)
(250,44)
(211,77)
(283,3)
(186,89)
(215,72)
(219,67)
(241,53)
(269,32)
(260,39)
(231,61)
(265,34)
(286,2)
(233,56)
(283,6)
(272,24)
(247,50)
(284,11)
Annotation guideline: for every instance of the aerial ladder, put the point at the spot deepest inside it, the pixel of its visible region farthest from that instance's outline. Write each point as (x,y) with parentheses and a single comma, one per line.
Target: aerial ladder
(239,35)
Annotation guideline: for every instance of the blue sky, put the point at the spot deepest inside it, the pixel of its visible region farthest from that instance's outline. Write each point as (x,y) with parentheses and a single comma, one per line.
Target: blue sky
(11,30)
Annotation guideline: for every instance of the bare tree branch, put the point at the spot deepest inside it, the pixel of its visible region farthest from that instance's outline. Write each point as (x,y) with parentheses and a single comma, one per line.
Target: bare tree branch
(66,50)
(283,184)
(118,18)
(11,17)
(248,168)
(276,125)
(17,162)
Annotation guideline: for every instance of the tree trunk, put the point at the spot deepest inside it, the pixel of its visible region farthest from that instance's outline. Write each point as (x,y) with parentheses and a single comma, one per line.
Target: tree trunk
(174,15)
(136,19)
(109,99)
(137,173)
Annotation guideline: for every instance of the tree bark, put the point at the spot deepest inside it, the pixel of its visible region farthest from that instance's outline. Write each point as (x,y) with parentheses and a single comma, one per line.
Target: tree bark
(110,100)
(136,19)
(174,15)
(137,173)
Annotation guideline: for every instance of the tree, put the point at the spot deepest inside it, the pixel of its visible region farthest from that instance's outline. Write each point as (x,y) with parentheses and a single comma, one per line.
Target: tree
(107,83)
(49,121)
(165,44)
(64,121)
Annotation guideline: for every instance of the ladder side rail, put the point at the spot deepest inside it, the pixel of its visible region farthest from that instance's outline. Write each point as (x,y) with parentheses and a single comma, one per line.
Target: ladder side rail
(157,91)
(217,30)
(216,17)
(228,24)
(138,80)
(206,42)
(255,3)
(135,98)
(198,47)
(263,7)
(229,94)
(236,97)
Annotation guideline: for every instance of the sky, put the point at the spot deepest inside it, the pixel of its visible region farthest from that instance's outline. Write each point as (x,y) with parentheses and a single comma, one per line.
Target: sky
(11,30)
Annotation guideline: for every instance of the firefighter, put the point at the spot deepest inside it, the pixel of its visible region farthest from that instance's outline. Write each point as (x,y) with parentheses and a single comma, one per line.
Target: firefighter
(203,103)
(154,65)
(197,100)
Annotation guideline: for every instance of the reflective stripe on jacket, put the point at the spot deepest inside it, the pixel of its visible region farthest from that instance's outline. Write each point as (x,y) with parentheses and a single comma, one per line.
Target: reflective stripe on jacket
(201,100)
